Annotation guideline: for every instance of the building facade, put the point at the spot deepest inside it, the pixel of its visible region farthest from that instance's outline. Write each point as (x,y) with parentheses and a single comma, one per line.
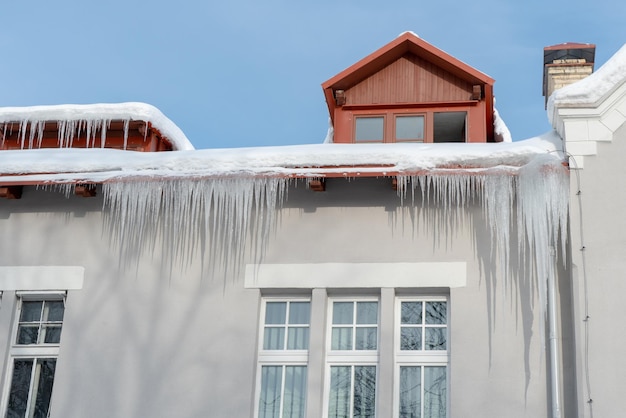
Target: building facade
(409,285)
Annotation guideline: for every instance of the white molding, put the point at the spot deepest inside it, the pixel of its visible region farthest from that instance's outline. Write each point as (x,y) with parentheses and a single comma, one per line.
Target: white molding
(35,278)
(590,122)
(355,275)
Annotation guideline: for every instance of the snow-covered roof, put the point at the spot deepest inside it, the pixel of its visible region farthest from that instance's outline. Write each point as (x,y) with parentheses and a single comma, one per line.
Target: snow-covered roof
(592,89)
(98,113)
(36,166)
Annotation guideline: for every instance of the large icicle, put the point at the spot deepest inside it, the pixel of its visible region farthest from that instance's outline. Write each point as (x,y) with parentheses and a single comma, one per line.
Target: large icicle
(222,219)
(217,218)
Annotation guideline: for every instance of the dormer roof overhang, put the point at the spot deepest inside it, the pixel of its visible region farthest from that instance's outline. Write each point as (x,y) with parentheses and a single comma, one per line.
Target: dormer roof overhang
(379,59)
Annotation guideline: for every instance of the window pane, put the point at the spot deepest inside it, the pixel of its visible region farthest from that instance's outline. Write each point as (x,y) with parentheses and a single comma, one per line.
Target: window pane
(20,386)
(410,338)
(52,334)
(367,313)
(31,312)
(299,313)
(27,334)
(54,311)
(436,339)
(364,391)
(410,128)
(449,126)
(366,338)
(340,389)
(411,313)
(271,380)
(436,312)
(43,393)
(410,392)
(369,129)
(343,313)
(435,392)
(298,338)
(274,338)
(295,392)
(275,312)
(341,339)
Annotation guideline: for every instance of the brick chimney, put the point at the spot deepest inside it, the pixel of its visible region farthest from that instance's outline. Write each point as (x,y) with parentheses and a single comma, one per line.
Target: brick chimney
(564,64)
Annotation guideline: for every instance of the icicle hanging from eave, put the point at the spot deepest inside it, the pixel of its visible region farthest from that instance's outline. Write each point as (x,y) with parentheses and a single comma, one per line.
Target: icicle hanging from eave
(536,194)
(222,218)
(218,219)
(31,132)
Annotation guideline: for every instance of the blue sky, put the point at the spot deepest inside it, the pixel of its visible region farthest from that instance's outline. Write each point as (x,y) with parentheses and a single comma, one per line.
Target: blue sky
(241,73)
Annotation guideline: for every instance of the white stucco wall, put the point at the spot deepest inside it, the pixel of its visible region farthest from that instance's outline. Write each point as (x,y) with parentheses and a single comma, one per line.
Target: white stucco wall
(601,265)
(142,342)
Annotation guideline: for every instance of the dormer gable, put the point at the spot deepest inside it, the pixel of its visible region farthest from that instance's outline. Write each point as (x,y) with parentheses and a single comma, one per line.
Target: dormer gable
(410,91)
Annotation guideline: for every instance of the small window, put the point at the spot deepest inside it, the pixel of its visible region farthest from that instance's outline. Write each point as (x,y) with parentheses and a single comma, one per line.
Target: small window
(33,356)
(449,126)
(369,129)
(410,128)
(286,325)
(423,325)
(422,357)
(423,391)
(283,355)
(352,391)
(40,322)
(355,325)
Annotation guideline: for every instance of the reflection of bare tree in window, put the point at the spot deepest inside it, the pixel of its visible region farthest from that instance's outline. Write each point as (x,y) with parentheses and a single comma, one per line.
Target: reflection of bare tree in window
(436,312)
(356,384)
(435,392)
(410,392)
(364,391)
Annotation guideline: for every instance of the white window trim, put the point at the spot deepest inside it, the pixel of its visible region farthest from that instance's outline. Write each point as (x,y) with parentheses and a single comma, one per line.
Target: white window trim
(349,357)
(277,357)
(419,358)
(451,274)
(31,351)
(41,278)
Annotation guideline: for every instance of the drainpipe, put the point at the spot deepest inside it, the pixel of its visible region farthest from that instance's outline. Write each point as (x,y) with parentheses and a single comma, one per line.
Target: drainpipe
(555,370)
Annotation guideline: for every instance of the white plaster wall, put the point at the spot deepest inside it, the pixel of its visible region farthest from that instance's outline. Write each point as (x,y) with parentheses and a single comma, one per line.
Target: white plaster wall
(603,196)
(140,342)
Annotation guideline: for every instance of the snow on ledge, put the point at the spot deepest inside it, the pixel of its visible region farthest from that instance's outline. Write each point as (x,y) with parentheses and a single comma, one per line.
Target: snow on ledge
(106,165)
(100,112)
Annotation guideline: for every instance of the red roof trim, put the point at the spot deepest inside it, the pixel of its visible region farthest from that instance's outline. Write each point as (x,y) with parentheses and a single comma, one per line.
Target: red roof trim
(407,42)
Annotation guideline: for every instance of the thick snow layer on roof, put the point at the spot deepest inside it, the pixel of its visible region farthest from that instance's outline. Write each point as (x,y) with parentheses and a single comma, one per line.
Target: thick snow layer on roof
(591,89)
(99,112)
(103,165)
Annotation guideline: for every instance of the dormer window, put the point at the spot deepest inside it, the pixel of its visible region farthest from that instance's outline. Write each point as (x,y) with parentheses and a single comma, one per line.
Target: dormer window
(369,129)
(410,91)
(409,128)
(429,126)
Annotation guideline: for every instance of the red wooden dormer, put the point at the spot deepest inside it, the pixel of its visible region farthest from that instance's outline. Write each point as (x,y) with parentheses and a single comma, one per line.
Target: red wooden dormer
(410,91)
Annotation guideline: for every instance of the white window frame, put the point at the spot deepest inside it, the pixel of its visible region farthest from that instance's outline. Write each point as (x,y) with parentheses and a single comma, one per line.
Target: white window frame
(33,352)
(420,358)
(279,357)
(352,357)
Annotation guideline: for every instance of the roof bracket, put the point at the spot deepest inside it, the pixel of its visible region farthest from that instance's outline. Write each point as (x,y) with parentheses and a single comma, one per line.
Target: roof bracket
(11,192)
(477,93)
(85,190)
(317,185)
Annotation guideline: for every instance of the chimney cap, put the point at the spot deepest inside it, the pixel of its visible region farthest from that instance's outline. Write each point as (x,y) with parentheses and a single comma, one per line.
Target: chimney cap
(569,50)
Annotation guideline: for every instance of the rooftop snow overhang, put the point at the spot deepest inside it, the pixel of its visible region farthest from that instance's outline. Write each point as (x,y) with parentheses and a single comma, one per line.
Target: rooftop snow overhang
(79,166)
(28,126)
(406,42)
